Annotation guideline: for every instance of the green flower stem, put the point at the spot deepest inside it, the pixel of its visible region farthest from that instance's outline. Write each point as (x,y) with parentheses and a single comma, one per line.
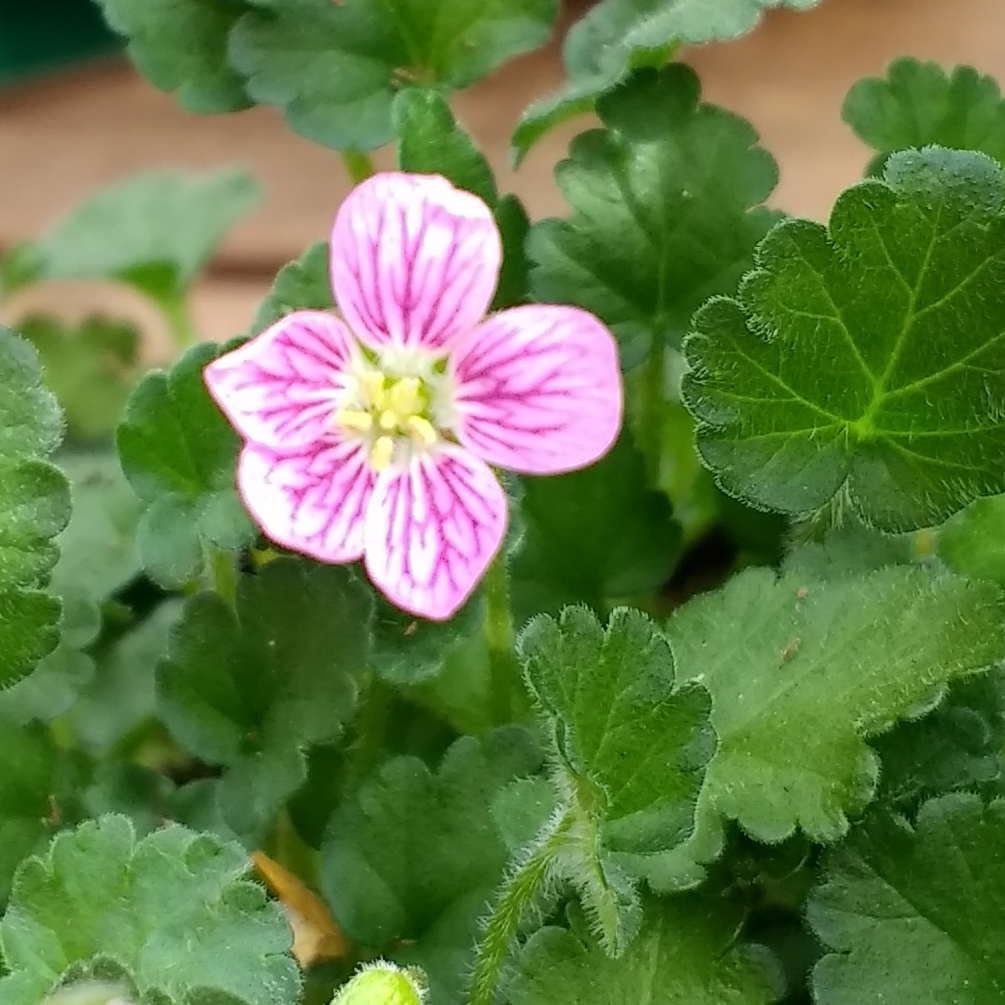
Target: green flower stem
(651,409)
(222,572)
(358,165)
(517,893)
(499,641)
(176,312)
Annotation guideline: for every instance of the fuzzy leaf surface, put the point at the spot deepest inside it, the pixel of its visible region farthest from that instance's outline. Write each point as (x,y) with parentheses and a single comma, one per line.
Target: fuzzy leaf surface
(179,454)
(917,104)
(617,36)
(915,914)
(145,905)
(34,508)
(802,672)
(335,68)
(181,46)
(666,202)
(685,954)
(251,691)
(415,855)
(862,364)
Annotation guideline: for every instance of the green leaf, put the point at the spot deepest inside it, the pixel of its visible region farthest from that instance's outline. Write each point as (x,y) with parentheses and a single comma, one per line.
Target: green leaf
(802,672)
(252,690)
(617,36)
(300,285)
(179,454)
(861,364)
(592,536)
(915,915)
(154,231)
(35,786)
(335,68)
(972,543)
(415,856)
(90,368)
(149,905)
(630,749)
(34,508)
(666,210)
(181,46)
(685,954)
(918,104)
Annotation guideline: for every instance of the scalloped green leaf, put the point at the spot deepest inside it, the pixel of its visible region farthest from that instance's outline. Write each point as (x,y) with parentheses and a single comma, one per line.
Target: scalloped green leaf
(251,690)
(862,364)
(334,68)
(914,914)
(917,104)
(411,861)
(803,672)
(666,211)
(617,36)
(300,285)
(179,454)
(181,46)
(146,905)
(34,508)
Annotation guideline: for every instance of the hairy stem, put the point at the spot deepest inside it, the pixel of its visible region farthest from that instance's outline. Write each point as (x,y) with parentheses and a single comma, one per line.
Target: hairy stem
(518,892)
(358,165)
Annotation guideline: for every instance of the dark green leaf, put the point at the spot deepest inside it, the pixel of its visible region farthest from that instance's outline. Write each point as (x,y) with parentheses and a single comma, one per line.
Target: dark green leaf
(300,285)
(335,68)
(181,46)
(179,454)
(251,691)
(918,104)
(147,904)
(915,915)
(666,210)
(862,364)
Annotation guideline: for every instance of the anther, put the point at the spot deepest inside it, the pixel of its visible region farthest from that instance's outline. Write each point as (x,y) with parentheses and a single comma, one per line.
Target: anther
(358,422)
(388,420)
(381,452)
(404,396)
(373,388)
(421,430)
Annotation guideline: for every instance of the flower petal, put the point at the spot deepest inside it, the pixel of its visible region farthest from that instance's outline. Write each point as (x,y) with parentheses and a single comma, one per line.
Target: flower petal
(280,388)
(414,261)
(432,529)
(313,502)
(538,389)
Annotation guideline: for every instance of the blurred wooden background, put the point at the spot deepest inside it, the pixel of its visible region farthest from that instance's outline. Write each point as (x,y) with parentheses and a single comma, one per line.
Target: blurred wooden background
(62,136)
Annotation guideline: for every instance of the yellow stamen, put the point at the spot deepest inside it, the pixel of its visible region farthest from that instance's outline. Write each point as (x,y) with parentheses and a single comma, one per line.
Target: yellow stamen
(349,418)
(373,388)
(388,420)
(421,430)
(404,396)
(380,452)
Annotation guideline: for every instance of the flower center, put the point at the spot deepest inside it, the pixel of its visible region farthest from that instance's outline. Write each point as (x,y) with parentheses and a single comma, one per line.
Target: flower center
(388,412)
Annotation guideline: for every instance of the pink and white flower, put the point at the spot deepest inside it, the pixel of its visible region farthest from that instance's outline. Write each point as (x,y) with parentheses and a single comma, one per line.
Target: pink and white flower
(372,436)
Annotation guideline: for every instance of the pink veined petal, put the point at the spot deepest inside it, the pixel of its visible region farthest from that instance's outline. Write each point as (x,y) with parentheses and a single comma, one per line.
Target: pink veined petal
(279,389)
(538,389)
(432,529)
(414,261)
(313,502)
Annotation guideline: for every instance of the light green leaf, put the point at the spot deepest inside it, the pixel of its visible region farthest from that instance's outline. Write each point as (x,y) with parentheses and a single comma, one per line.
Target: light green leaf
(90,368)
(915,914)
(617,36)
(180,454)
(666,211)
(630,749)
(686,953)
(34,508)
(335,68)
(972,543)
(802,672)
(862,364)
(148,905)
(181,46)
(251,691)
(592,536)
(918,104)
(154,231)
(415,856)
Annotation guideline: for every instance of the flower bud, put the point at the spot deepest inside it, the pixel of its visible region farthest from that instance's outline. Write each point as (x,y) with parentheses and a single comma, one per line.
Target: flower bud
(383,983)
